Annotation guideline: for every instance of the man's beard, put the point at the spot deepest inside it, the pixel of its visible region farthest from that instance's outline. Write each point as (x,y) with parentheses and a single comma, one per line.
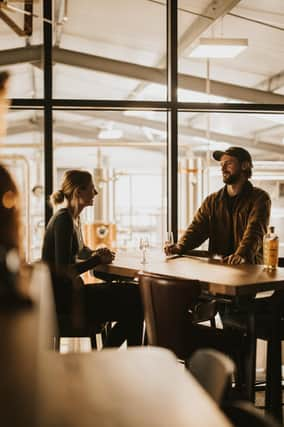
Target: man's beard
(231,178)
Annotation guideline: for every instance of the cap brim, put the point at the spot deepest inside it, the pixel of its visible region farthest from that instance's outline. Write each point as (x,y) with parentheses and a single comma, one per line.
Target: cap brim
(218,154)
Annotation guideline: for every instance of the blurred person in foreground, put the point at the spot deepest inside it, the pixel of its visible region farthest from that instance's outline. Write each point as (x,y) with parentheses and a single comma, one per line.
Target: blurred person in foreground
(4,103)
(65,252)
(14,272)
(234,219)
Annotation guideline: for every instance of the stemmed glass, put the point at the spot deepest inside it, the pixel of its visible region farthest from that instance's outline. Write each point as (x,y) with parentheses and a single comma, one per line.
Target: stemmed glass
(143,246)
(169,239)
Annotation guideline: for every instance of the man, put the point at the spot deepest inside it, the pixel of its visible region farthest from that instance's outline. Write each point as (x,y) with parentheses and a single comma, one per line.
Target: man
(234,219)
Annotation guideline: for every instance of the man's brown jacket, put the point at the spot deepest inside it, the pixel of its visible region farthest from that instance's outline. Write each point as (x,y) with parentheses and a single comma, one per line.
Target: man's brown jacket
(213,220)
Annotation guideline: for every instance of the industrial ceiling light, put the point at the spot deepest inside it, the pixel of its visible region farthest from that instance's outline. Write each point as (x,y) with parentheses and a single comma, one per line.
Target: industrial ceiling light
(209,47)
(110,134)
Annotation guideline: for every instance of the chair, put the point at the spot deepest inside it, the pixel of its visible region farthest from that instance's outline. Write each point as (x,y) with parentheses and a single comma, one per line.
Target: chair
(243,414)
(213,370)
(71,320)
(171,321)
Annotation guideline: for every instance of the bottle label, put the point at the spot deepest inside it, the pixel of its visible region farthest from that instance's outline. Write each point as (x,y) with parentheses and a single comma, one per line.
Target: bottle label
(270,253)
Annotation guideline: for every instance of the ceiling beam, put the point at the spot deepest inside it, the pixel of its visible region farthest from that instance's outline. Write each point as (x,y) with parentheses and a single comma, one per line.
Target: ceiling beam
(139,72)
(156,75)
(272,83)
(20,55)
(60,126)
(216,9)
(28,18)
(12,24)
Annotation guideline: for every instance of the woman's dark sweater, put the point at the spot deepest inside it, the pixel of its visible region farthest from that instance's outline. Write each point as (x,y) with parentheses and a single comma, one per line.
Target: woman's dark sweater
(61,245)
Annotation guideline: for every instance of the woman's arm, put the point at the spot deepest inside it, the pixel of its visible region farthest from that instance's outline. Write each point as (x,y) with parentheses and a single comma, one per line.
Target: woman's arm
(64,247)
(100,256)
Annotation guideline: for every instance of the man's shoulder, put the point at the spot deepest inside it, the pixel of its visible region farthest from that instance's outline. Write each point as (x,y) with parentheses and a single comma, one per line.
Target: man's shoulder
(216,195)
(259,192)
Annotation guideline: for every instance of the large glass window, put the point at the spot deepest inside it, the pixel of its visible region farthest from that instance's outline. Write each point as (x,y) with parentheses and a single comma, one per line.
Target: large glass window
(109,60)
(231,51)
(127,156)
(22,152)
(21,47)
(111,50)
(199,174)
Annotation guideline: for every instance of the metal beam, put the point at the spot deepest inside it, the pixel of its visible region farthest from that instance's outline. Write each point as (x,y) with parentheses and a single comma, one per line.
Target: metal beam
(21,55)
(139,72)
(28,19)
(155,75)
(15,27)
(117,117)
(272,83)
(216,9)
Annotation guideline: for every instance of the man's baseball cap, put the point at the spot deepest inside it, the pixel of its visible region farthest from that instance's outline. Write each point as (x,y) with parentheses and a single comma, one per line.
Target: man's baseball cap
(240,153)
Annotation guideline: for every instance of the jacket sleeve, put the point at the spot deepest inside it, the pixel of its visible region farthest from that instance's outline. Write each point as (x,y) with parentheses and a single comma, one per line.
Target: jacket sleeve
(64,259)
(258,221)
(63,236)
(198,231)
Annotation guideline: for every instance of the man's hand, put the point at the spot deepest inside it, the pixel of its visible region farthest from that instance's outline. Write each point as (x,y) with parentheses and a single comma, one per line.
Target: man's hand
(234,259)
(104,255)
(170,249)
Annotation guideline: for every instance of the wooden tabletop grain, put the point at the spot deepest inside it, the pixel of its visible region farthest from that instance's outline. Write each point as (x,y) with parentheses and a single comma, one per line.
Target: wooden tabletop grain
(215,277)
(138,387)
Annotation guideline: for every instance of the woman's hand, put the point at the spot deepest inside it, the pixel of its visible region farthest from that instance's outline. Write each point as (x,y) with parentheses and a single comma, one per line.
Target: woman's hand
(104,255)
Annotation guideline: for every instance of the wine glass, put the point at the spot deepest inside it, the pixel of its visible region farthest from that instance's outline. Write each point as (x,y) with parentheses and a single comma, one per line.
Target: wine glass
(169,239)
(143,246)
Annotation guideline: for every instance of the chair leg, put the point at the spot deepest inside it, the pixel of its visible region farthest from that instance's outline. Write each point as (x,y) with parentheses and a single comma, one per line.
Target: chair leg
(104,332)
(56,343)
(93,339)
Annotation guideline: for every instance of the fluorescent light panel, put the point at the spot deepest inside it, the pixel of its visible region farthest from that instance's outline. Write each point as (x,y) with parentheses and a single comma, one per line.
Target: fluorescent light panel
(219,48)
(110,134)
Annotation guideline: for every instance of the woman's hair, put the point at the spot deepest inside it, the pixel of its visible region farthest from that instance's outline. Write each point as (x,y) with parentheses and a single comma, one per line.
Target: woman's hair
(10,226)
(72,180)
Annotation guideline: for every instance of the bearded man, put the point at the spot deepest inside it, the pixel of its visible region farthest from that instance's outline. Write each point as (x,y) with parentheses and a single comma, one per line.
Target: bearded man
(234,219)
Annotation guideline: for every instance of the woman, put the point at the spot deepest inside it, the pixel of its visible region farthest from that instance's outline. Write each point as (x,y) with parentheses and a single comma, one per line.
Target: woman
(64,250)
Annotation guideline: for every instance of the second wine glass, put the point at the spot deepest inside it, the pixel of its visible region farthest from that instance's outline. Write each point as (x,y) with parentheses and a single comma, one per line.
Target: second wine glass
(143,246)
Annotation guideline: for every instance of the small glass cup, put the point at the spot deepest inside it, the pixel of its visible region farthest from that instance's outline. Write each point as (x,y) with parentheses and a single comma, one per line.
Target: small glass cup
(169,239)
(143,246)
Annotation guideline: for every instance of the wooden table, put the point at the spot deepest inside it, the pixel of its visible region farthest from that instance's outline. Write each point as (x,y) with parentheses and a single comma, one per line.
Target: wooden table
(138,387)
(215,277)
(233,281)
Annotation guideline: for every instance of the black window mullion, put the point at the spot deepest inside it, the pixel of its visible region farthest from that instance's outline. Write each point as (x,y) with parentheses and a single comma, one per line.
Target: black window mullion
(172,117)
(48,128)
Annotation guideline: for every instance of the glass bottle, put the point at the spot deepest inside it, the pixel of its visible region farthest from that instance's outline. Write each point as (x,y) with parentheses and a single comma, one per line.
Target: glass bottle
(270,249)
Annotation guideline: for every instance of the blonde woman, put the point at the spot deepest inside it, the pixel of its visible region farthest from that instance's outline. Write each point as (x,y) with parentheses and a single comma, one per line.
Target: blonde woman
(64,250)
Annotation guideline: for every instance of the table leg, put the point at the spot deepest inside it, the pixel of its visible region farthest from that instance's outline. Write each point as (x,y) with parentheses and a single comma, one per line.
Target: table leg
(250,358)
(273,396)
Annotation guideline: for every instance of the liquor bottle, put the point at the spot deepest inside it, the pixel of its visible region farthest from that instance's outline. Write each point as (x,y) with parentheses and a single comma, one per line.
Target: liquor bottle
(270,249)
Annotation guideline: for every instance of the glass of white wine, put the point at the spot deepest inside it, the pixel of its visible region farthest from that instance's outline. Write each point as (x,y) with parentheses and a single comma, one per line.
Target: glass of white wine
(143,246)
